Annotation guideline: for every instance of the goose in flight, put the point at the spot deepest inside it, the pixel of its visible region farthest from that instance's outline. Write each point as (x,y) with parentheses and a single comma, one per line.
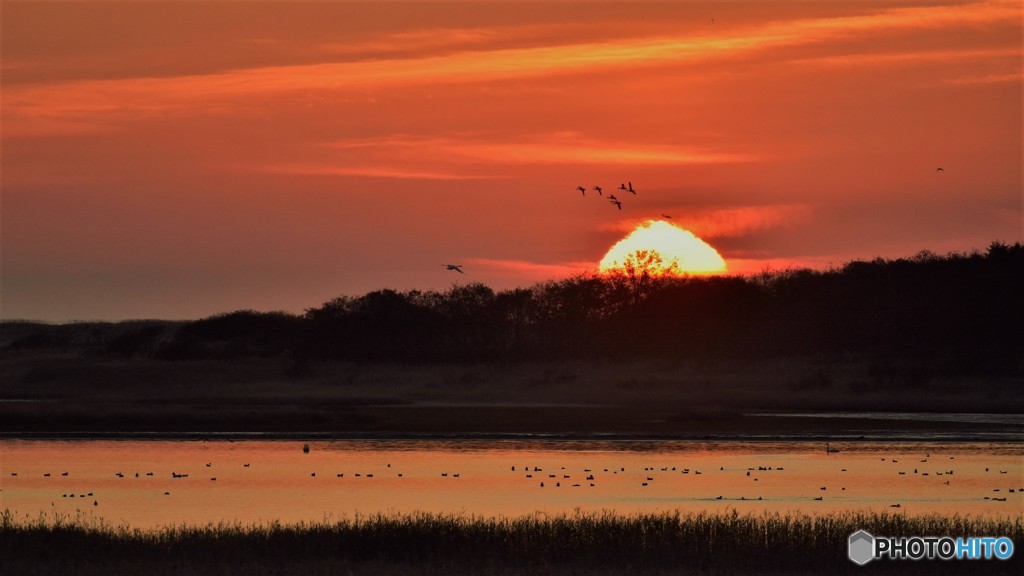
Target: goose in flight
(598,188)
(617,204)
(663,215)
(582,190)
(456,267)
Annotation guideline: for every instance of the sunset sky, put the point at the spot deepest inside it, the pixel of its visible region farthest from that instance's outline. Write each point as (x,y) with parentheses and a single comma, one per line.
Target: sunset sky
(179,159)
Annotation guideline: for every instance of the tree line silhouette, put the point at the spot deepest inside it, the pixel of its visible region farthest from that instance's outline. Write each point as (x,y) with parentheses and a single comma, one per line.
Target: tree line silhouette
(965,310)
(961,313)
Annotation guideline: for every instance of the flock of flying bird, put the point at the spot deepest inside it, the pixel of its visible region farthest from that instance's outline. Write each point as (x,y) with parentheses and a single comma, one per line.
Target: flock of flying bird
(611,197)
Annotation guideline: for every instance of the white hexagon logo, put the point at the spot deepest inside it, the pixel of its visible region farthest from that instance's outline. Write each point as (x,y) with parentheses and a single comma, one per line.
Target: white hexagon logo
(861,547)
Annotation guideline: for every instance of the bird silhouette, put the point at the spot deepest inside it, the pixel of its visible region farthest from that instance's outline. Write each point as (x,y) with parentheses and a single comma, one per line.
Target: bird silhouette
(456,267)
(663,215)
(617,204)
(582,190)
(599,189)
(630,189)
(939,170)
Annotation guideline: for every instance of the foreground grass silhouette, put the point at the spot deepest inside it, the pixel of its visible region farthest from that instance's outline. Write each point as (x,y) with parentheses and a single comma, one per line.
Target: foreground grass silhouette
(605,543)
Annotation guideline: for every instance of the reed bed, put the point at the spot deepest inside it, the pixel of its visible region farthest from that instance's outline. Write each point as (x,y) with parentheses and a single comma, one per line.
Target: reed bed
(579,543)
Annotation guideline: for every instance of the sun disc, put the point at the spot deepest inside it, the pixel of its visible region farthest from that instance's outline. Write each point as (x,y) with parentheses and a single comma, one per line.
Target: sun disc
(679,250)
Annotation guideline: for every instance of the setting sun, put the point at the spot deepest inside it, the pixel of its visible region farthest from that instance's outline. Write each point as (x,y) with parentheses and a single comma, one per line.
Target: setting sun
(679,250)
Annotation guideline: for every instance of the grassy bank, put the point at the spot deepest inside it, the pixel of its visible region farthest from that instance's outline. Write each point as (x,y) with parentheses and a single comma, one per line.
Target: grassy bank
(431,544)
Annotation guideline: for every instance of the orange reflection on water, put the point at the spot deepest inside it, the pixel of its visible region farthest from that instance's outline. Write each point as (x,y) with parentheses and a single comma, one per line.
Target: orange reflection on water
(260,481)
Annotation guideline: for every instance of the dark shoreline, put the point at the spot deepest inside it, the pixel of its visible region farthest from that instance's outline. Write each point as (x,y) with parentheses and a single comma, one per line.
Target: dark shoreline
(724,428)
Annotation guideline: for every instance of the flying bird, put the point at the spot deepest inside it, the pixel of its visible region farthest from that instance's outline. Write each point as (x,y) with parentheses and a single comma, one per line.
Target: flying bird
(939,170)
(630,189)
(582,190)
(598,188)
(456,267)
(663,215)
(612,198)
(617,204)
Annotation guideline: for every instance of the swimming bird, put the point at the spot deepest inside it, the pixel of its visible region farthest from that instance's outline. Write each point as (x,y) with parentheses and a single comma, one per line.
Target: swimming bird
(582,190)
(456,267)
(305,449)
(829,449)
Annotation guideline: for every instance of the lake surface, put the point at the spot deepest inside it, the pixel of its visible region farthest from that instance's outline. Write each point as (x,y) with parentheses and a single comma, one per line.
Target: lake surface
(149,483)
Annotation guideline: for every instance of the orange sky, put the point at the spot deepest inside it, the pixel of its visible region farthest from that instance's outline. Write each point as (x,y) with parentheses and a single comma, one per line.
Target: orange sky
(179,159)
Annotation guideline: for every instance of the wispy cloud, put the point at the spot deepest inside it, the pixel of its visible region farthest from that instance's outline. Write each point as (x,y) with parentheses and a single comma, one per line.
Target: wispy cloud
(359,171)
(719,222)
(1009,55)
(545,148)
(26,107)
(1017,77)
(531,270)
(478,156)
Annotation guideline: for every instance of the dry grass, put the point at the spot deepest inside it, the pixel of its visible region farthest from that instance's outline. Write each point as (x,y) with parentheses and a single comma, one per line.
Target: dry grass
(440,544)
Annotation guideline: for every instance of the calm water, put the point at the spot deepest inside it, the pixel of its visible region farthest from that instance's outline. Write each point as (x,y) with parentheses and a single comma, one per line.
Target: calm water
(275,480)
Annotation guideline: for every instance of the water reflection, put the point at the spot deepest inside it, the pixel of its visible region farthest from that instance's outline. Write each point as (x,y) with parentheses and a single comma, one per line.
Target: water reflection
(151,483)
